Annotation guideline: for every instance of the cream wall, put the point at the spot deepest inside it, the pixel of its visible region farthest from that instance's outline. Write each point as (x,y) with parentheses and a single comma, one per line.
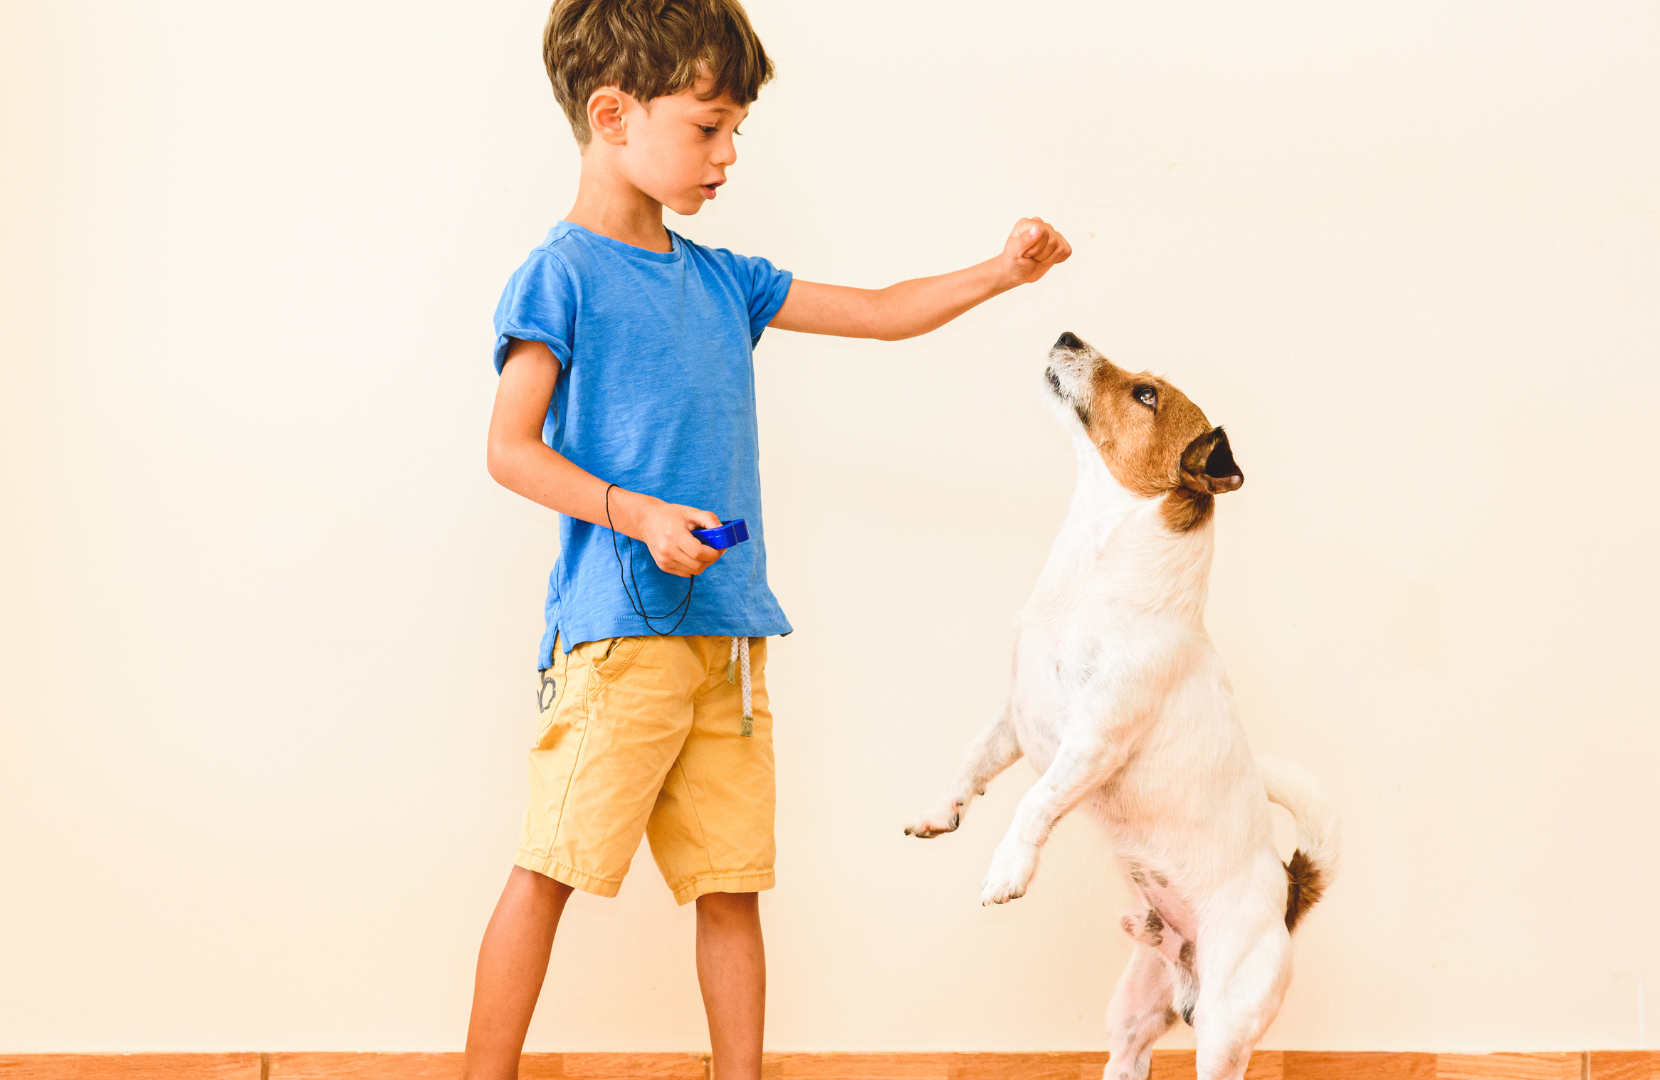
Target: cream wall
(268,631)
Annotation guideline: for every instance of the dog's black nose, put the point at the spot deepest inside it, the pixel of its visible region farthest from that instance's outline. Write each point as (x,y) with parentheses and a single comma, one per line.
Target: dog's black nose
(1069,340)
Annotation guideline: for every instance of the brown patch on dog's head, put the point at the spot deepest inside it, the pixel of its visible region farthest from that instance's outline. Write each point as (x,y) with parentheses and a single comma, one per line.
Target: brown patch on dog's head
(1153,439)
(1304,886)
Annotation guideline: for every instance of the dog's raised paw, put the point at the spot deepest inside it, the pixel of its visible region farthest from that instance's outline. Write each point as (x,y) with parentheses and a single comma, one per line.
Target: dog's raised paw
(937,822)
(1012,867)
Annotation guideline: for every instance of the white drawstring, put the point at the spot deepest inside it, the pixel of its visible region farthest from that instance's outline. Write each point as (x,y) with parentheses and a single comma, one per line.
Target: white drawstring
(748,727)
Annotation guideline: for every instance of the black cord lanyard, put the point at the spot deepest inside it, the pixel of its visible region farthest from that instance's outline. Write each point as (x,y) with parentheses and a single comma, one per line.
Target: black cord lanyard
(639,606)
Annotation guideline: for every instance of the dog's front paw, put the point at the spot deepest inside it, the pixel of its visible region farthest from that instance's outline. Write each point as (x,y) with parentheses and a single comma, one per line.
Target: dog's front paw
(943,818)
(1012,867)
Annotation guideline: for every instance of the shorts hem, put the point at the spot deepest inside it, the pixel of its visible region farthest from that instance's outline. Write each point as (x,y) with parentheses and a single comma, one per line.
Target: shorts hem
(703,884)
(568,875)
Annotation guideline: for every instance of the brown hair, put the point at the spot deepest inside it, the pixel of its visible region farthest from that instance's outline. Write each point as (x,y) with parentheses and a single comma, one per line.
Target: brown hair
(648,49)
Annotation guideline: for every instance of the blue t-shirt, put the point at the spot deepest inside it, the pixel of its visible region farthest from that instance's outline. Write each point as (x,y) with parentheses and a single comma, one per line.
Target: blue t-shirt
(656,393)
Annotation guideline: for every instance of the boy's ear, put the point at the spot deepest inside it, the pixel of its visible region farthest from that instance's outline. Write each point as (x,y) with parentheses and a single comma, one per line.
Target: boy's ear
(1208,465)
(605,115)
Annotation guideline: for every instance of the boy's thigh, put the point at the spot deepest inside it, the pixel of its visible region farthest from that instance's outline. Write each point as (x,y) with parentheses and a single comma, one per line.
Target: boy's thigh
(711,829)
(612,717)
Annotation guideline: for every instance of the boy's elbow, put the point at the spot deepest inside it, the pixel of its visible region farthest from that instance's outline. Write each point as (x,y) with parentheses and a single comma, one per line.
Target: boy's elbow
(496,459)
(886,318)
(894,329)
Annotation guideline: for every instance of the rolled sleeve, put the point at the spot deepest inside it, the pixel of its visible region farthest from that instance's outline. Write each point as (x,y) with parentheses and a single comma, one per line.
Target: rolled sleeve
(769,286)
(539,304)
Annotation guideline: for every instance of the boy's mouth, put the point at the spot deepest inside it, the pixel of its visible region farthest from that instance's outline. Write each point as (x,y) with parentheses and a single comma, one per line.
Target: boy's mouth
(709,189)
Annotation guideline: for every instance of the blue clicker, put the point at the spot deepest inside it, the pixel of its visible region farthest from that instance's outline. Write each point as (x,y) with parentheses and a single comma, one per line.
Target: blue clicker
(728,535)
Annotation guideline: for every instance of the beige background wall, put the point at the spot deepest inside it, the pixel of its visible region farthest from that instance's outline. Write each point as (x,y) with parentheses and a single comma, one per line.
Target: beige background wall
(268,627)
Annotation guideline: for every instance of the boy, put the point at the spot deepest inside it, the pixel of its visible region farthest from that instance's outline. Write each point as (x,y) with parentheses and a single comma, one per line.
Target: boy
(627,403)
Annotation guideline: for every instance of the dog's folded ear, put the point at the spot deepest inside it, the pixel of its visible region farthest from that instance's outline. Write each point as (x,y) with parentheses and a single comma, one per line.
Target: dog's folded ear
(1208,465)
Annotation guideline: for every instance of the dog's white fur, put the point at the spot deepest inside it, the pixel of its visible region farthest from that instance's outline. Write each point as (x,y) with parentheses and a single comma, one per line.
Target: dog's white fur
(1122,702)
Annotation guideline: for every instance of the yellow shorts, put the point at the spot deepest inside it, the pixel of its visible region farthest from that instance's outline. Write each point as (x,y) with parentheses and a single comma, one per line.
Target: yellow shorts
(643,735)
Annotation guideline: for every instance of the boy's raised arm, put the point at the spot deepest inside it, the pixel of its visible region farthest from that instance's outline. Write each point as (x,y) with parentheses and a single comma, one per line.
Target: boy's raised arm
(922,304)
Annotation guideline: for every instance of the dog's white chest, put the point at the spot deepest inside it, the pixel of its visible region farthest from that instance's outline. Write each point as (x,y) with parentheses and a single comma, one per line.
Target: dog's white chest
(1072,668)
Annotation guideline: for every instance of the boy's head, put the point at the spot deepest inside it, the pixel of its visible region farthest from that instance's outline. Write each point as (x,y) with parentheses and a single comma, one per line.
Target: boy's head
(650,49)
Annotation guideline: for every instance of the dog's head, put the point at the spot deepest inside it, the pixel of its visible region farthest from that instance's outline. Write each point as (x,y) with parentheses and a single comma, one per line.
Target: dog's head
(1152,439)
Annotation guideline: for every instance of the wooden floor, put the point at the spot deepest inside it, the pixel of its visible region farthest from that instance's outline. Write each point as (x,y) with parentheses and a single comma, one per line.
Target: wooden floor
(1167,1065)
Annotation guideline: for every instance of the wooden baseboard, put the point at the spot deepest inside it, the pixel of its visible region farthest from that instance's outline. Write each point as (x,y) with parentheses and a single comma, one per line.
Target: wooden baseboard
(130,1066)
(1167,1065)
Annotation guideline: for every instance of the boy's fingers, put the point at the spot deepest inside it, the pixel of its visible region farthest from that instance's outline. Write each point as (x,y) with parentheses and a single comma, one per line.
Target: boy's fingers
(672,562)
(698,554)
(1037,245)
(676,557)
(1056,249)
(1042,255)
(1047,245)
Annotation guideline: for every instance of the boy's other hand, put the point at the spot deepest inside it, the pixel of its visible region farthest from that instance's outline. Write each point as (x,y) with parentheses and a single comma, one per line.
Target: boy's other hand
(1032,248)
(666,528)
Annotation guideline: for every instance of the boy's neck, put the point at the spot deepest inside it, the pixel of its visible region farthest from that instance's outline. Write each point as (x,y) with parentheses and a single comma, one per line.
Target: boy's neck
(607,204)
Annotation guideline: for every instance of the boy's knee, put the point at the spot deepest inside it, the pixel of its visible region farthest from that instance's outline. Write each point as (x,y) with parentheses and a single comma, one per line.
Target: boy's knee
(540,884)
(723,906)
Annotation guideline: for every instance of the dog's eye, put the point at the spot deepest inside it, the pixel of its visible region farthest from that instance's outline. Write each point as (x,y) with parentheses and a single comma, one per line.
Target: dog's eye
(1148,396)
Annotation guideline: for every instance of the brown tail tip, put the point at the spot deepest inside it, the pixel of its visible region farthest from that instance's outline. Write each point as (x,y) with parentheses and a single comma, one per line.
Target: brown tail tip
(1304,884)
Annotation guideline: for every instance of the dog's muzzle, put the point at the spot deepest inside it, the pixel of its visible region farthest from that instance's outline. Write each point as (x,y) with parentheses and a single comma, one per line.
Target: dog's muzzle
(1069,365)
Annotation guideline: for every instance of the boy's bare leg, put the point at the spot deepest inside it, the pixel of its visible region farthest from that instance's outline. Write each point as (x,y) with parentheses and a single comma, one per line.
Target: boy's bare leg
(511,965)
(732,970)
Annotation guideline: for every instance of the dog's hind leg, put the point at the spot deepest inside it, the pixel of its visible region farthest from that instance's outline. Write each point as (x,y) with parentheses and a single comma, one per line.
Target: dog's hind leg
(992,751)
(1084,761)
(1142,1009)
(1242,980)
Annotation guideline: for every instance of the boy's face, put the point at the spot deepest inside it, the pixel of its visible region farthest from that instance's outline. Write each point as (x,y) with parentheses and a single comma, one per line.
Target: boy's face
(677,150)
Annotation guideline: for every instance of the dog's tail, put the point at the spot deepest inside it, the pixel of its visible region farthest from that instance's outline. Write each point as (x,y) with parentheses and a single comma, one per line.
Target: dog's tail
(1315,861)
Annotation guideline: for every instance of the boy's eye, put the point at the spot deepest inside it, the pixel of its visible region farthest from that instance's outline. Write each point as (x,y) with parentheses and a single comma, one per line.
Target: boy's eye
(706,129)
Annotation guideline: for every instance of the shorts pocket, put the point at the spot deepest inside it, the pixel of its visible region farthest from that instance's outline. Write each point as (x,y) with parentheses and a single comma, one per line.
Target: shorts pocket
(612,657)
